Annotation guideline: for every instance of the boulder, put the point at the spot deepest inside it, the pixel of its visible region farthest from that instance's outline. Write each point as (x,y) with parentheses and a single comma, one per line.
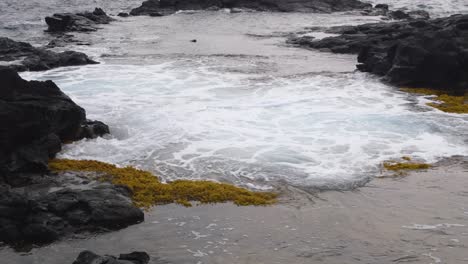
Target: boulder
(82,22)
(420,53)
(36,206)
(51,208)
(321,6)
(36,118)
(123,14)
(88,257)
(23,56)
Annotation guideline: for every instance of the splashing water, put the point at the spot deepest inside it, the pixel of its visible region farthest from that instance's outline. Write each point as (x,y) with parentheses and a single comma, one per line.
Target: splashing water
(189,120)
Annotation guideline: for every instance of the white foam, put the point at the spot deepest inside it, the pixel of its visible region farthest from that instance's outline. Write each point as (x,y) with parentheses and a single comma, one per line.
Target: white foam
(432,227)
(191,121)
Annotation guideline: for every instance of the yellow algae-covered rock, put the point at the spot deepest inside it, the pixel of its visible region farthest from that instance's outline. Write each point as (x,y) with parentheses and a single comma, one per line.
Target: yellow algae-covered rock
(148,190)
(447,103)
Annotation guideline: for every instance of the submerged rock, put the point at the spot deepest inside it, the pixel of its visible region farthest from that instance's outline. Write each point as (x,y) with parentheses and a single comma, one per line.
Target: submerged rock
(420,53)
(23,56)
(123,14)
(88,257)
(322,6)
(83,22)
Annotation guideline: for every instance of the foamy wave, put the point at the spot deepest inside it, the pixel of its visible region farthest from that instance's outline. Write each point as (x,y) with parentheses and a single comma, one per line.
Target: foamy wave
(194,122)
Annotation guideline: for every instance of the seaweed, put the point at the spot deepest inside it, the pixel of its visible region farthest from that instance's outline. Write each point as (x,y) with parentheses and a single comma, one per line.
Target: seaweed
(148,190)
(444,102)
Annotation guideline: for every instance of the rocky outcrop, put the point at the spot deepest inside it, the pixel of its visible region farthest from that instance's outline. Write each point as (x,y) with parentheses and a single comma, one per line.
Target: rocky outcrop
(151,7)
(22,56)
(384,10)
(35,205)
(420,53)
(36,118)
(88,257)
(82,22)
(53,206)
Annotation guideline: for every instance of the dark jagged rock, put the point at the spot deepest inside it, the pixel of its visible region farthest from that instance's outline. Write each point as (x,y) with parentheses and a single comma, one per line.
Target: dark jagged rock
(88,257)
(50,208)
(419,53)
(36,207)
(123,14)
(322,6)
(82,22)
(36,118)
(412,15)
(93,129)
(384,10)
(23,56)
(63,40)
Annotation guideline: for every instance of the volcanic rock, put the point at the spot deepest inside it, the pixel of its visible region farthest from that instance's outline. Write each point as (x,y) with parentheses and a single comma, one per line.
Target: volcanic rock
(82,22)
(420,53)
(22,56)
(321,6)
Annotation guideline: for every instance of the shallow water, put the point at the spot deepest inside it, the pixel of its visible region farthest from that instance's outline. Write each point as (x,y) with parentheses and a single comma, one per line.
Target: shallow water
(190,120)
(421,219)
(242,107)
(24,20)
(239,105)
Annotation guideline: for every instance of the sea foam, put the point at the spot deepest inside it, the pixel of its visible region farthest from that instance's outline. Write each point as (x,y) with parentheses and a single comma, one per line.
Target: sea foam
(192,121)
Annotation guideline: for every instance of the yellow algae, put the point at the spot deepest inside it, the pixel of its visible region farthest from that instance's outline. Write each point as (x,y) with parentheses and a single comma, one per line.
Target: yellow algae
(445,102)
(148,190)
(451,104)
(398,166)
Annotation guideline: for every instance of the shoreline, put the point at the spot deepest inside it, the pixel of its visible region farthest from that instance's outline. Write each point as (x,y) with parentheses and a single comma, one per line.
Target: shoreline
(420,218)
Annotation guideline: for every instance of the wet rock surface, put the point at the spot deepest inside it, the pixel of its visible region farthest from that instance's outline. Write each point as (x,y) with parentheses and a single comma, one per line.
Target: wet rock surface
(37,117)
(22,56)
(81,22)
(35,205)
(54,206)
(88,257)
(420,53)
(150,7)
(384,10)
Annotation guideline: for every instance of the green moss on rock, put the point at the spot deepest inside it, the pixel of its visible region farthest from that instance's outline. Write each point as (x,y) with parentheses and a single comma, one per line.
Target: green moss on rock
(148,190)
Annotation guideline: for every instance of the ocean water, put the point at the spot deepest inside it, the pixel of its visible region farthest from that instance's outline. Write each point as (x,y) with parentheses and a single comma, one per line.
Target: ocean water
(190,121)
(24,20)
(239,105)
